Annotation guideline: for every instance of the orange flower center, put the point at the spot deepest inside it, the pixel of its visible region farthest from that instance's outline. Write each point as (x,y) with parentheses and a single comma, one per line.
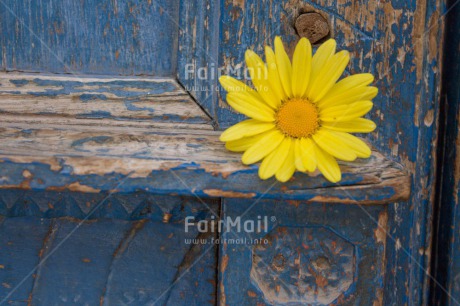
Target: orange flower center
(297,118)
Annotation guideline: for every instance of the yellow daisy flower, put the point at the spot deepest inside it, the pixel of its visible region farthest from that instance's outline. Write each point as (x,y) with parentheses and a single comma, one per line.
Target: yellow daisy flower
(301,117)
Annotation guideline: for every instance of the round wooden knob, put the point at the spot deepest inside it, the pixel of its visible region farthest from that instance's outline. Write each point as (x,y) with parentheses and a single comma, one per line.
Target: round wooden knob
(313,26)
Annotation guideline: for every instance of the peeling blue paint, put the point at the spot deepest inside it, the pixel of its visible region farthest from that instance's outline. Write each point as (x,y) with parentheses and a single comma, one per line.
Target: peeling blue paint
(193,145)
(132,107)
(165,182)
(97,37)
(96,114)
(19,83)
(92,97)
(118,88)
(328,232)
(127,230)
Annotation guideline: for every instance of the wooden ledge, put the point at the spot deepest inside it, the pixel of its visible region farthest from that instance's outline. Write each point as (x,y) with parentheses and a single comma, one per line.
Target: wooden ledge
(177,162)
(125,135)
(126,102)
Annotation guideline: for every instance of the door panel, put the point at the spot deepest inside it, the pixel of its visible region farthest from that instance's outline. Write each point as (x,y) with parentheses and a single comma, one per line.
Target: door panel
(94,249)
(114,37)
(199,51)
(305,254)
(400,42)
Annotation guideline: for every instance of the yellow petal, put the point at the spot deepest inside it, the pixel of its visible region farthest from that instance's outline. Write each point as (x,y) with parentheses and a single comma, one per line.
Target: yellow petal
(245,128)
(360,148)
(284,66)
(308,154)
(241,145)
(263,147)
(352,81)
(333,145)
(321,57)
(349,96)
(301,66)
(345,112)
(248,105)
(273,75)
(231,84)
(328,165)
(259,76)
(358,125)
(275,159)
(298,156)
(328,75)
(287,169)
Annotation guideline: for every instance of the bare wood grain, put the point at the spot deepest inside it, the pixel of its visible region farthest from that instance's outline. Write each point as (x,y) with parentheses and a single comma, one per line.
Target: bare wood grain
(52,99)
(173,162)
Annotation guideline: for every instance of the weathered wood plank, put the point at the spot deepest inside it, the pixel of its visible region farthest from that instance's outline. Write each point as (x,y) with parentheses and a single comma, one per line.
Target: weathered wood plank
(118,206)
(303,254)
(401,43)
(21,242)
(76,265)
(55,99)
(90,159)
(98,122)
(158,259)
(93,37)
(110,262)
(198,53)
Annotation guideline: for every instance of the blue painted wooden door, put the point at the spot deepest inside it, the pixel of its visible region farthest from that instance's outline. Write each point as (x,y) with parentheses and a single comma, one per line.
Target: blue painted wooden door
(90,37)
(102,162)
(77,248)
(401,43)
